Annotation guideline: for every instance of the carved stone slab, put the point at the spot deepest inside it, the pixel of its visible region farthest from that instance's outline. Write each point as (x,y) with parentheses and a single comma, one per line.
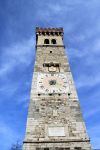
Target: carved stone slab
(56,131)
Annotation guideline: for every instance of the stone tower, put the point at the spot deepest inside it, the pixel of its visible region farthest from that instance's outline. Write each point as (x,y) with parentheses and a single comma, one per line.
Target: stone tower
(54,118)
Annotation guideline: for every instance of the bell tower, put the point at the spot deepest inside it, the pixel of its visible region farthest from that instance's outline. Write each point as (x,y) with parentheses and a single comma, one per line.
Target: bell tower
(54,118)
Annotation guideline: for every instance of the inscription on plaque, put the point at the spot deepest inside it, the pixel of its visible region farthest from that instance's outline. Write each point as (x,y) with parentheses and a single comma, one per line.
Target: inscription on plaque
(56,131)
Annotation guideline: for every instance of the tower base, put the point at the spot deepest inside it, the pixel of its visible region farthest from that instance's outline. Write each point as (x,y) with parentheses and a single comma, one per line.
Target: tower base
(58,145)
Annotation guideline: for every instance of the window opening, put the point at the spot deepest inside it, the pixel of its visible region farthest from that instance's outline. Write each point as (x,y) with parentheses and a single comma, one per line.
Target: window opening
(46,148)
(46,41)
(50,94)
(68,94)
(53,41)
(78,148)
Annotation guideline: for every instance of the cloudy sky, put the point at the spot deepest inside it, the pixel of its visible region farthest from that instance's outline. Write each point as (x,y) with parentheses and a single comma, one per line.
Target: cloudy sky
(18,19)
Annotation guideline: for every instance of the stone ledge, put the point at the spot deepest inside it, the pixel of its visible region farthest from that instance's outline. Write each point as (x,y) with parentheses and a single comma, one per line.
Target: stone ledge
(50,46)
(56,141)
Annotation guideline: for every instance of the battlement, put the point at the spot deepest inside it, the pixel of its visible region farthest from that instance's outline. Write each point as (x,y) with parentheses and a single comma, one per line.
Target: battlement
(49,31)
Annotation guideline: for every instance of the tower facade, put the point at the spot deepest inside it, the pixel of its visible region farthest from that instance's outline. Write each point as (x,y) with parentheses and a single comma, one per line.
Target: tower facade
(54,118)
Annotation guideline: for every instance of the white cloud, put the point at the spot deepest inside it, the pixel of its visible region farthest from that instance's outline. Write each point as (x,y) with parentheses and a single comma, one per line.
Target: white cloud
(8,88)
(96,47)
(67,14)
(90,113)
(16,54)
(87,80)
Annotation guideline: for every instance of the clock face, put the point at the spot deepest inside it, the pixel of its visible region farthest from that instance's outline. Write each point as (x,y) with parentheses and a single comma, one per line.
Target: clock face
(52,83)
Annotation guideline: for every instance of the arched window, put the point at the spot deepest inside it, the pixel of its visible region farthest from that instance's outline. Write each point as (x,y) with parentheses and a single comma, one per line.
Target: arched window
(46,41)
(53,41)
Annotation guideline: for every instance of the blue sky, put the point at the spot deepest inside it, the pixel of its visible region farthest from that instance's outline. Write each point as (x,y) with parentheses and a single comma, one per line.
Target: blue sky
(18,19)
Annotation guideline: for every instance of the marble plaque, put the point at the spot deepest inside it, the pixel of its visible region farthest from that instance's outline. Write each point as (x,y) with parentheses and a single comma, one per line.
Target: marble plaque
(56,131)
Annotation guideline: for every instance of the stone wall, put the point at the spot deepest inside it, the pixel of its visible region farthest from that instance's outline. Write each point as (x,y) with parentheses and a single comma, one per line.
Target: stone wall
(54,120)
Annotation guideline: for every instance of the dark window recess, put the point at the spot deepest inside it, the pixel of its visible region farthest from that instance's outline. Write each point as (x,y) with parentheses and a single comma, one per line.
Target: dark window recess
(46,148)
(47,33)
(51,64)
(50,94)
(39,94)
(68,94)
(37,109)
(59,94)
(46,41)
(43,33)
(50,51)
(51,33)
(59,99)
(53,41)
(78,148)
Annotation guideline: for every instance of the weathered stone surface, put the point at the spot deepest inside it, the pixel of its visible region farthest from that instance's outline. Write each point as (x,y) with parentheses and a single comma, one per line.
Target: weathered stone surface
(54,112)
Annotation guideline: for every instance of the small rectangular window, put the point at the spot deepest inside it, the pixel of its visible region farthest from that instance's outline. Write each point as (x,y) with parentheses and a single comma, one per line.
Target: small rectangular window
(78,148)
(46,148)
(46,41)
